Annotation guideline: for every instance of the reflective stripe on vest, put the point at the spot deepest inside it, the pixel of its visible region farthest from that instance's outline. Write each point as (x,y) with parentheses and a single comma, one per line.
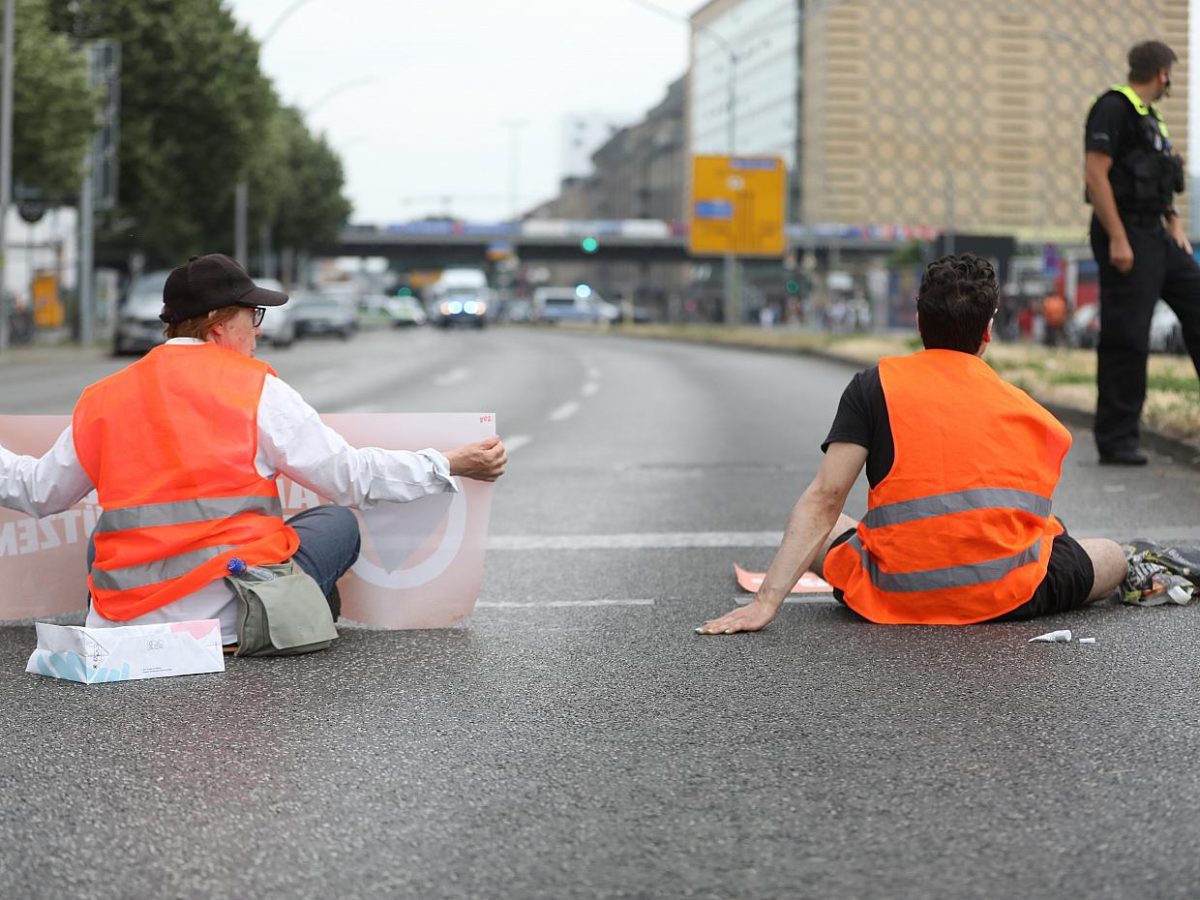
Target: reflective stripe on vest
(153,573)
(951,577)
(956,502)
(184,512)
(1140,105)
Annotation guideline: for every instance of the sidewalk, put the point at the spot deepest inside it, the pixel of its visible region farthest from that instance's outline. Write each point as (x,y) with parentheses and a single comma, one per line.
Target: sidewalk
(1061,379)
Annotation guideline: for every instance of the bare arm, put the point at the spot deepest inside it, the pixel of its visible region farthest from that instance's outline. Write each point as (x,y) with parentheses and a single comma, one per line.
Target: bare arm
(1096,169)
(812,518)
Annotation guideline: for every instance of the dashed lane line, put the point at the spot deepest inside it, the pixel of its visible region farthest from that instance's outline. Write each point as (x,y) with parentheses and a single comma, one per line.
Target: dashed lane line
(590,389)
(564,412)
(453,377)
(516,442)
(557,604)
(654,541)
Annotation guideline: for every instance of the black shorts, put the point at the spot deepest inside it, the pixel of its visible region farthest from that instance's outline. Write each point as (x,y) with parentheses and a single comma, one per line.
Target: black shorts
(1067,584)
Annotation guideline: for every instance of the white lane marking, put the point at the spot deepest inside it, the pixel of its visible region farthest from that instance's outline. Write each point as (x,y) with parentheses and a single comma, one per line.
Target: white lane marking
(691,540)
(655,541)
(743,599)
(516,442)
(564,412)
(507,604)
(453,377)
(590,389)
(593,373)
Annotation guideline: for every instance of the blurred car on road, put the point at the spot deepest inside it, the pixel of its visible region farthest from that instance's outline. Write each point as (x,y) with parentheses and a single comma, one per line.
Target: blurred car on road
(459,296)
(408,311)
(278,327)
(319,313)
(552,305)
(398,312)
(518,311)
(138,327)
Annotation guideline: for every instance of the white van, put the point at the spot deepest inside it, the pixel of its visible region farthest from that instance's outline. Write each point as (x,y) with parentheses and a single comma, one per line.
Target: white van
(459,295)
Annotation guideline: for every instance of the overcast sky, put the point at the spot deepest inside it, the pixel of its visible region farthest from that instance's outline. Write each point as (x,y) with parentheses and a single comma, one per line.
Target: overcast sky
(414,94)
(432,83)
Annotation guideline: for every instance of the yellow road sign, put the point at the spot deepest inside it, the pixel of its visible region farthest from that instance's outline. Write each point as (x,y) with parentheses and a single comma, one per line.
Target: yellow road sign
(738,206)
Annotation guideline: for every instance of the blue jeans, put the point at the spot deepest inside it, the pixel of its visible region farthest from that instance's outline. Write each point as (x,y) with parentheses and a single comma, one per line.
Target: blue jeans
(329,545)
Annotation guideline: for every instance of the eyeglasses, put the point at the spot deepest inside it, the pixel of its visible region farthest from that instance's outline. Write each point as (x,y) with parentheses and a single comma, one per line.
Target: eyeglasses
(259,313)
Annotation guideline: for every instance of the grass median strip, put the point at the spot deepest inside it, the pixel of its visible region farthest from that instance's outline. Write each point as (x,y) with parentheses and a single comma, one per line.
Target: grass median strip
(1052,374)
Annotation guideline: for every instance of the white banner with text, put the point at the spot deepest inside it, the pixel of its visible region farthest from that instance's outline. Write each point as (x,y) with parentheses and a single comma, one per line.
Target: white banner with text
(421,562)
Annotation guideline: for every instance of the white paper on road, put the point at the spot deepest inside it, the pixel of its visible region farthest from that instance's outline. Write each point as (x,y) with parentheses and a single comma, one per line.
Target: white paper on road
(421,563)
(127,653)
(1053,637)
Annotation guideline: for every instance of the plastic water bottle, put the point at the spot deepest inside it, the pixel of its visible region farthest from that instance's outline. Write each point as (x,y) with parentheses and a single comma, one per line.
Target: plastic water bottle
(239,569)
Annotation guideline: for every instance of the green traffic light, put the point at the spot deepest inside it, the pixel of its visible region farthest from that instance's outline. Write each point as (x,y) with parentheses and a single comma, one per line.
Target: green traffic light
(793,287)
(589,245)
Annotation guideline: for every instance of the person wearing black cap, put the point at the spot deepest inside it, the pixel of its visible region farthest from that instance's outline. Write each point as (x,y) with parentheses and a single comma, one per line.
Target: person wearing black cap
(183,448)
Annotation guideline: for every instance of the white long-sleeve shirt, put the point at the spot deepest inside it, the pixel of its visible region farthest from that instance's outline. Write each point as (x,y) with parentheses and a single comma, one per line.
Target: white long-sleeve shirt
(292,441)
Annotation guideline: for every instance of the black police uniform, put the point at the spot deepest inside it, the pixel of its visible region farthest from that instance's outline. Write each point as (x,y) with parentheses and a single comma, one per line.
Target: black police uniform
(1145,174)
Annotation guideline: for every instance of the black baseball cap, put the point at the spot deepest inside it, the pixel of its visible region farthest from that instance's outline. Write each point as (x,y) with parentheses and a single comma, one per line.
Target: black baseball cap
(205,283)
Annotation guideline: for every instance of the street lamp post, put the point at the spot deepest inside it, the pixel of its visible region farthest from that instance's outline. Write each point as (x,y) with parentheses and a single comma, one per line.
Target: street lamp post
(733,281)
(514,127)
(241,194)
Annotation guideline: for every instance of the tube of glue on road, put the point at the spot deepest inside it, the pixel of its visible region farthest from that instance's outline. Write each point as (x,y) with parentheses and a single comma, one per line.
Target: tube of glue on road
(1053,637)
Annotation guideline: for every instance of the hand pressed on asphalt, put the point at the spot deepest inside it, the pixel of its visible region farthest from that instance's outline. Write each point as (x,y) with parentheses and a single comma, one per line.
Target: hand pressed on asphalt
(751,617)
(483,461)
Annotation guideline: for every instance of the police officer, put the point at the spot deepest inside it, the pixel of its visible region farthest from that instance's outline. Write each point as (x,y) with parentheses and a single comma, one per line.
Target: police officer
(1138,240)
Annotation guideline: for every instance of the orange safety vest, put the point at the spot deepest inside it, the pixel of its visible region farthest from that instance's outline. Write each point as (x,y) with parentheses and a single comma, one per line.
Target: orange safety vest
(169,442)
(960,529)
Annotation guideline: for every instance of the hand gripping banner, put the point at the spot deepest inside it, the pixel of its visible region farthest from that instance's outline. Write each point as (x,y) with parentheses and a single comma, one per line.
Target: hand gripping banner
(421,563)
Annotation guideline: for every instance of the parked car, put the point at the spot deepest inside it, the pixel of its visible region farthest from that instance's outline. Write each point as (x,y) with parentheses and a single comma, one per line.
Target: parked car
(605,311)
(323,314)
(564,304)
(278,327)
(1083,328)
(1166,334)
(138,327)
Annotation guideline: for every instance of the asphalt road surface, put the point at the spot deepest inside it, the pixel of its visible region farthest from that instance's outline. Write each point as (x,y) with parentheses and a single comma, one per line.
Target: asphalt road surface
(576,738)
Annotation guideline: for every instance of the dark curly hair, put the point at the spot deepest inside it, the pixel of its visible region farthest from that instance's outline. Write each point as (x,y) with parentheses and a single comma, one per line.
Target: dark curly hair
(957,298)
(1149,58)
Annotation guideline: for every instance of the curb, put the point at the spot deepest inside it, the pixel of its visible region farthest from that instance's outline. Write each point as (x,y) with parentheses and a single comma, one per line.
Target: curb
(1176,449)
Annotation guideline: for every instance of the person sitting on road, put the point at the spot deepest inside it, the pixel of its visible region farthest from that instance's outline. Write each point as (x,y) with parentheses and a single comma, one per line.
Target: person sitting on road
(962,468)
(184,447)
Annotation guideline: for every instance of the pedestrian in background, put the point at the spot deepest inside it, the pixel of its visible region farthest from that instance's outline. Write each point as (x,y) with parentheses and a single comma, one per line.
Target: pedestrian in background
(1132,174)
(1054,315)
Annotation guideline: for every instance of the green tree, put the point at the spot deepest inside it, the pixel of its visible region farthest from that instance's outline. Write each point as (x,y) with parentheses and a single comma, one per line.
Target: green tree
(310,208)
(53,108)
(193,106)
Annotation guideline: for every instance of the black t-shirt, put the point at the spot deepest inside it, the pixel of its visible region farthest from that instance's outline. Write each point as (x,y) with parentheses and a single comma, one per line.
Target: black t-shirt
(1111,126)
(862,418)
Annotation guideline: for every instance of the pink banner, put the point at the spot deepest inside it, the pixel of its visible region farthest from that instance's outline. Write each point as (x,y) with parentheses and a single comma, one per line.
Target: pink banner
(809,582)
(421,563)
